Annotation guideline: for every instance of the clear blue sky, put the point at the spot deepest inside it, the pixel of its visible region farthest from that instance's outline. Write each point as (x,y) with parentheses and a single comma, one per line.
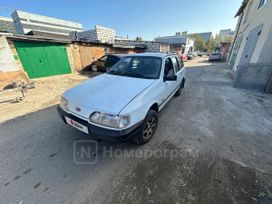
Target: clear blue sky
(146,18)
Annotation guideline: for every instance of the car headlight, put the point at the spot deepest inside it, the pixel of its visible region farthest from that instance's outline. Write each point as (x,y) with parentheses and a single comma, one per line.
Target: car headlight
(64,103)
(110,120)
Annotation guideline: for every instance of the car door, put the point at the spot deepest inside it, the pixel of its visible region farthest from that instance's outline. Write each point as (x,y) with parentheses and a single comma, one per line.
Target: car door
(180,70)
(168,86)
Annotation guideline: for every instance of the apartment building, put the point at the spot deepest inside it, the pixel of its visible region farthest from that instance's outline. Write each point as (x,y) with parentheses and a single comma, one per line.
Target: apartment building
(25,22)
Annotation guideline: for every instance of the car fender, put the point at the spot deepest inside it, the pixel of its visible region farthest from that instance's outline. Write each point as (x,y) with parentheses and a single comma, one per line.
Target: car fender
(140,105)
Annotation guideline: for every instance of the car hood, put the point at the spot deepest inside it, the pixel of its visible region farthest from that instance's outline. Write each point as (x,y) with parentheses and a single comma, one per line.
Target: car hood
(105,93)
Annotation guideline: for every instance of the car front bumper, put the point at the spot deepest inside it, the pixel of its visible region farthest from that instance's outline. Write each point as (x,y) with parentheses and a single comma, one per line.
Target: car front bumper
(100,132)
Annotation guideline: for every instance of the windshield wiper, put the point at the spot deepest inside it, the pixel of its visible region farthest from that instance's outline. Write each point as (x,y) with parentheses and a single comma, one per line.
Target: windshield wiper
(115,72)
(138,75)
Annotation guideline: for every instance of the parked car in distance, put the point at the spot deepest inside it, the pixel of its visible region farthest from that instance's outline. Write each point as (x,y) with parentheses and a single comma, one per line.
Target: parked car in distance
(190,56)
(183,58)
(215,57)
(105,62)
(124,102)
(200,54)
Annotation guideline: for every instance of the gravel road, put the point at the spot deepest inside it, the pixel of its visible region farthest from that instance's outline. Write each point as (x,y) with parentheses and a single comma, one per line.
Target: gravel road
(213,145)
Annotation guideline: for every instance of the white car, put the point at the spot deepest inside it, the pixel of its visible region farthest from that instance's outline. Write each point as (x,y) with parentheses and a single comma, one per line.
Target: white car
(215,56)
(124,102)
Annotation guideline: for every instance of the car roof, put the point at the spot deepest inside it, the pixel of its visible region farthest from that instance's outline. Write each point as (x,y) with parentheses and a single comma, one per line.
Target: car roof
(152,54)
(117,55)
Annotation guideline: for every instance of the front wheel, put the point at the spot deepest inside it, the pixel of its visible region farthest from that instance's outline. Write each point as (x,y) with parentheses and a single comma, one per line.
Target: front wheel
(148,128)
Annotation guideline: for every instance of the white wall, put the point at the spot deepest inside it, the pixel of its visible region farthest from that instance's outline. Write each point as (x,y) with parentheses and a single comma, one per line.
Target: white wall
(7,61)
(189,45)
(255,18)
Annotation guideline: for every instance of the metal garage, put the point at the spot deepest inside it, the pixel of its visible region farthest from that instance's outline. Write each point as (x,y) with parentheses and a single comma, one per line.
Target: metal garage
(41,59)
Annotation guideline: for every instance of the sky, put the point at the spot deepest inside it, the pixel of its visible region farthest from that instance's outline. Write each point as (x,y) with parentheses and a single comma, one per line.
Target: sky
(145,18)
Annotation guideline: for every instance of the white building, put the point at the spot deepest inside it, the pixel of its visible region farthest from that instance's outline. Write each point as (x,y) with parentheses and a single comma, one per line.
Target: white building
(178,43)
(6,25)
(250,55)
(206,36)
(225,33)
(25,22)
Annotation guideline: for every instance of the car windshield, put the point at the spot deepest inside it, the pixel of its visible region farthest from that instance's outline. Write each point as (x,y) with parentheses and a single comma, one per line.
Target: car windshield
(139,67)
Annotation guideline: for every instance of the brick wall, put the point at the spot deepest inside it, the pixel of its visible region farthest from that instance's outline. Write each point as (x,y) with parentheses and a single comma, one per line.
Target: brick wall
(8,60)
(7,77)
(105,35)
(149,46)
(70,54)
(99,34)
(84,54)
(10,66)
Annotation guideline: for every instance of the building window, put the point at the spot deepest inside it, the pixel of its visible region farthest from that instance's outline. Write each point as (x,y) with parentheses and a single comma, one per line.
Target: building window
(262,3)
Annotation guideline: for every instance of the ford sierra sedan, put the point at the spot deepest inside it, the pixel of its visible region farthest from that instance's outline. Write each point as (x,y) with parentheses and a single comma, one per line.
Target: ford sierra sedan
(124,102)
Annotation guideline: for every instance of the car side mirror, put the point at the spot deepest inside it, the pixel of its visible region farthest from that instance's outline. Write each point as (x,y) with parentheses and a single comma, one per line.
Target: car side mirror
(170,78)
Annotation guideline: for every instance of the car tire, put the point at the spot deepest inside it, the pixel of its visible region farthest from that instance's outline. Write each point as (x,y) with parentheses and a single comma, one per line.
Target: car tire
(181,86)
(148,128)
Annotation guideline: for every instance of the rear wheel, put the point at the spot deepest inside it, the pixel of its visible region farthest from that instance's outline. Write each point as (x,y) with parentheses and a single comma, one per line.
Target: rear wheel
(148,128)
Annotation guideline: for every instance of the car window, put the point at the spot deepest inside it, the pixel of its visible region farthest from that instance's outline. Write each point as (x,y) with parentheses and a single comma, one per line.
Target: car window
(175,64)
(181,65)
(115,59)
(168,68)
(139,67)
(111,60)
(104,58)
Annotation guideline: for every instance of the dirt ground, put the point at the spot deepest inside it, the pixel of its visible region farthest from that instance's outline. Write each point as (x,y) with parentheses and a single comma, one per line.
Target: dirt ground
(46,93)
(223,137)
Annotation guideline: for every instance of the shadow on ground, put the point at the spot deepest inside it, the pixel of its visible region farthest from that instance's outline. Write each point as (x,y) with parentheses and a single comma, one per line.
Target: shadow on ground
(187,179)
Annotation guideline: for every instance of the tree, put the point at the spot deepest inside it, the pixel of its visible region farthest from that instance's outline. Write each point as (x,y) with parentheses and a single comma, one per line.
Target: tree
(227,38)
(210,45)
(213,43)
(139,38)
(199,43)
(217,41)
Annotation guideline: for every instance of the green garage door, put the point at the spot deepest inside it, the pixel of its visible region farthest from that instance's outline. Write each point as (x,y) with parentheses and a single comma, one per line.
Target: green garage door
(43,59)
